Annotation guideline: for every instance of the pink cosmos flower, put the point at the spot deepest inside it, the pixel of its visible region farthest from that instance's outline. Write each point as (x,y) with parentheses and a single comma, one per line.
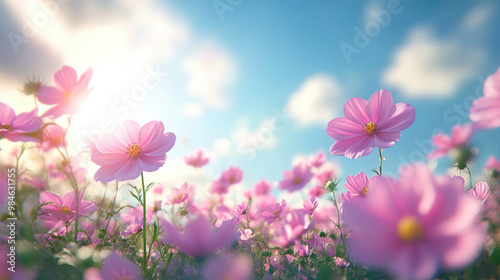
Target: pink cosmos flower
(231,176)
(369,124)
(421,224)
(273,211)
(241,209)
(295,223)
(68,93)
(198,239)
(35,182)
(311,204)
(481,191)
(262,188)
(52,136)
(357,187)
(485,111)
(492,166)
(64,208)
(296,179)
(197,159)
(245,234)
(228,267)
(340,262)
(318,160)
(130,218)
(131,151)
(317,191)
(460,135)
(178,196)
(116,267)
(18,128)
(325,176)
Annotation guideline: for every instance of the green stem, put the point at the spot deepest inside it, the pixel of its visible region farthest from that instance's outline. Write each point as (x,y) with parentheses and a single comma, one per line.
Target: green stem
(112,209)
(381,159)
(144,225)
(470,176)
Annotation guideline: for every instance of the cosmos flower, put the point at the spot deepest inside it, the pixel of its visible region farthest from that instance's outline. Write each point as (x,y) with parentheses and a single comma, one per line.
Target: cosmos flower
(197,159)
(132,150)
(178,196)
(52,136)
(231,176)
(481,191)
(295,223)
(340,262)
(297,178)
(460,135)
(18,128)
(318,160)
(311,204)
(273,211)
(68,93)
(492,166)
(357,187)
(262,187)
(485,111)
(198,239)
(241,209)
(421,223)
(236,267)
(369,124)
(63,208)
(116,267)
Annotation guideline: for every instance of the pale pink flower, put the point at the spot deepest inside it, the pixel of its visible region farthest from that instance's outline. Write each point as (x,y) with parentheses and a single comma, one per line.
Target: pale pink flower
(241,209)
(178,196)
(318,160)
(324,176)
(421,224)
(116,267)
(317,191)
(273,211)
(35,182)
(64,208)
(357,187)
(492,166)
(132,150)
(245,234)
(228,267)
(302,250)
(20,128)
(198,239)
(197,159)
(460,135)
(311,204)
(296,179)
(369,124)
(231,176)
(295,223)
(481,191)
(52,137)
(262,188)
(485,111)
(68,93)
(340,262)
(129,218)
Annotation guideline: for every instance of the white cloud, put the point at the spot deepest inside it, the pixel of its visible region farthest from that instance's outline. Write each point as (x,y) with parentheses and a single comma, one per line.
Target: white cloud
(220,148)
(193,110)
(211,70)
(262,137)
(316,101)
(428,66)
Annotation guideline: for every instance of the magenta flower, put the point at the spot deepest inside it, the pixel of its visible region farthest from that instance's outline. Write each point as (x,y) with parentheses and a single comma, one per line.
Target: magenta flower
(64,208)
(262,188)
(357,187)
(68,93)
(241,209)
(198,239)
(116,267)
(369,124)
(311,204)
(273,211)
(231,176)
(460,135)
(197,159)
(421,224)
(481,191)
(18,128)
(318,160)
(131,151)
(52,137)
(178,196)
(295,223)
(296,179)
(485,111)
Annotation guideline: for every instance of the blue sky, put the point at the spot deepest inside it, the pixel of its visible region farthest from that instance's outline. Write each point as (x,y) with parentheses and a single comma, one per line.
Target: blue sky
(228,73)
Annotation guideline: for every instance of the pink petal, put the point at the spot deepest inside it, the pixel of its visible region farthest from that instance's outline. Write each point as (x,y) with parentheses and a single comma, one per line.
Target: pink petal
(485,112)
(47,196)
(85,77)
(15,137)
(109,158)
(56,111)
(69,199)
(403,117)
(343,128)
(355,110)
(7,114)
(50,95)
(492,85)
(379,105)
(161,145)
(111,145)
(106,173)
(360,148)
(151,163)
(340,146)
(27,122)
(149,132)
(65,78)
(129,171)
(386,140)
(128,133)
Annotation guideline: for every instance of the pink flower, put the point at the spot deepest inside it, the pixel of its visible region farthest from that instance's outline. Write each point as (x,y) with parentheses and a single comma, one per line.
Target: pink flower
(129,218)
(318,160)
(295,223)
(460,135)
(369,124)
(311,204)
(420,223)
(296,179)
(325,176)
(241,209)
(35,182)
(63,208)
(231,176)
(485,111)
(131,151)
(116,267)
(68,93)
(317,191)
(273,211)
(52,136)
(228,267)
(196,160)
(340,262)
(245,234)
(262,188)
(492,166)
(178,196)
(357,187)
(198,239)
(18,128)
(481,191)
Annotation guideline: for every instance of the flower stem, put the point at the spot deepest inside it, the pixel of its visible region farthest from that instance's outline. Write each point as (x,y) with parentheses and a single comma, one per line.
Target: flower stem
(470,175)
(144,225)
(381,159)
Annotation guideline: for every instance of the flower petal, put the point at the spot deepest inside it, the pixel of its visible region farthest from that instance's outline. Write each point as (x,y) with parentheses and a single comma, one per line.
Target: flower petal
(151,163)
(160,145)
(379,106)
(129,171)
(65,78)
(386,140)
(343,128)
(128,132)
(27,122)
(355,110)
(360,148)
(149,132)
(7,114)
(403,117)
(50,95)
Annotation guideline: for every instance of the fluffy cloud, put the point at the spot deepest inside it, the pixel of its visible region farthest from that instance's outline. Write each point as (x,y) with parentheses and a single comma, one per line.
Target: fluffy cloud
(193,110)
(211,70)
(427,66)
(316,101)
(262,137)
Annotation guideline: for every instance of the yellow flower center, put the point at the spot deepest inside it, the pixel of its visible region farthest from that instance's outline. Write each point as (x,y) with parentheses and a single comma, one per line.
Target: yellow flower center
(364,191)
(134,151)
(276,212)
(370,128)
(297,181)
(6,126)
(65,210)
(409,229)
(66,94)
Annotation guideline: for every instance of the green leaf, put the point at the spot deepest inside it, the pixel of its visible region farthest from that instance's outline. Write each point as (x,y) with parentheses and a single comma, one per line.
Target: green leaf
(495,255)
